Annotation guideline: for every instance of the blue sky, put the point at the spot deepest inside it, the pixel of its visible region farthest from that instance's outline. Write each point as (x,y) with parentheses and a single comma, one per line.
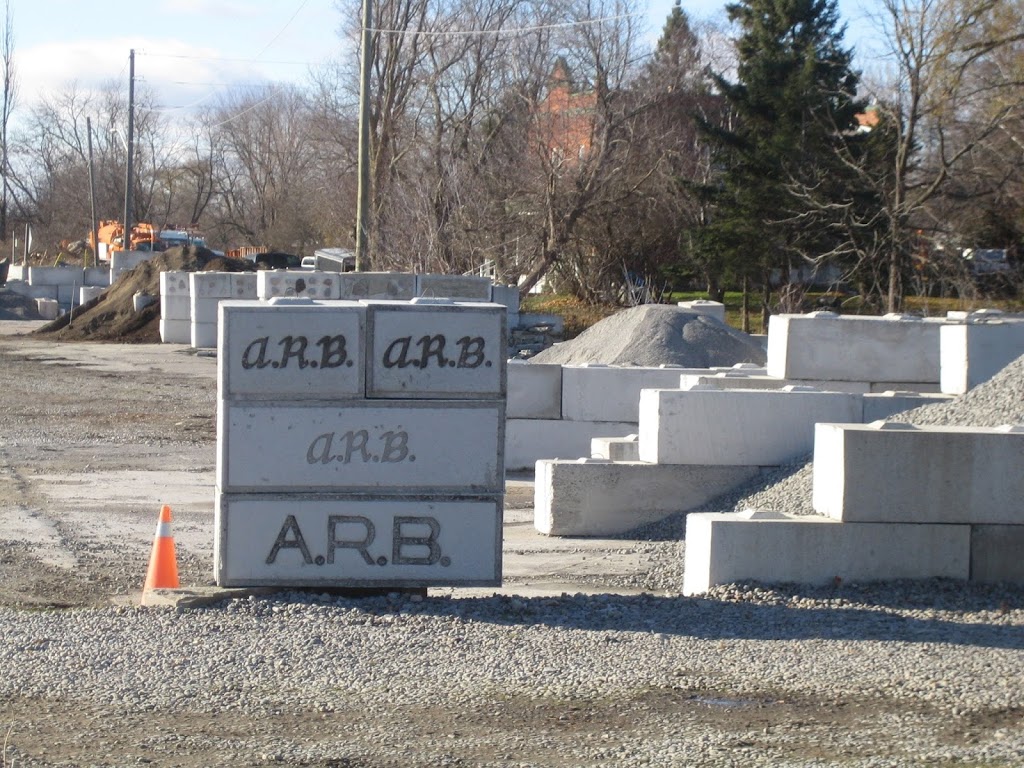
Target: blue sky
(188,50)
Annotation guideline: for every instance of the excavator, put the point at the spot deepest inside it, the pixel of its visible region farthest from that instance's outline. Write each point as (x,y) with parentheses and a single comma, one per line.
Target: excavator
(144,237)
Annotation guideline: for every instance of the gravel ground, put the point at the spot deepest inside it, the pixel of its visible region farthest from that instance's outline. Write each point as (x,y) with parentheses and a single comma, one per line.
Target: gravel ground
(898,674)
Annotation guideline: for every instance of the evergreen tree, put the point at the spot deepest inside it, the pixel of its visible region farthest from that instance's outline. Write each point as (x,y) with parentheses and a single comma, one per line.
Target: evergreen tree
(793,106)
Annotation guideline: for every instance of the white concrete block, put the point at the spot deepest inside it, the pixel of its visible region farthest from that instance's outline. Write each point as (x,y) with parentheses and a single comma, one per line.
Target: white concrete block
(973,353)
(244,285)
(65,276)
(509,296)
(731,381)
(997,553)
(378,447)
(879,406)
(177,307)
(32,291)
(286,349)
(616,448)
(714,309)
(17,272)
(68,294)
(826,346)
(924,388)
(592,497)
(534,390)
(48,309)
(174,284)
(341,541)
(175,331)
(460,287)
(898,473)
(435,349)
(301,283)
(203,335)
(89,292)
(742,427)
(775,548)
(553,324)
(204,310)
(209,285)
(529,440)
(610,393)
(96,277)
(396,286)
(124,261)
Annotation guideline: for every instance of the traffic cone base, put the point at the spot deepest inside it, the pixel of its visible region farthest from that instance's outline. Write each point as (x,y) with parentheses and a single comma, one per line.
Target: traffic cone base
(163,563)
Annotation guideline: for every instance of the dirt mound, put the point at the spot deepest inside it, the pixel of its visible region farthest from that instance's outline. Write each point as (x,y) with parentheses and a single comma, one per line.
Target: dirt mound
(111,316)
(657,334)
(14,306)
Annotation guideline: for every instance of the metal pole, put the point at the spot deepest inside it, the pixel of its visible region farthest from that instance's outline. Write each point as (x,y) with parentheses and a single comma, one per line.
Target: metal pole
(363,194)
(92,199)
(129,170)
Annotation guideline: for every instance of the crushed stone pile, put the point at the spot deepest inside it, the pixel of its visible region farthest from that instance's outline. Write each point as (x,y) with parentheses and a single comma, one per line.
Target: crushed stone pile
(14,306)
(657,334)
(111,316)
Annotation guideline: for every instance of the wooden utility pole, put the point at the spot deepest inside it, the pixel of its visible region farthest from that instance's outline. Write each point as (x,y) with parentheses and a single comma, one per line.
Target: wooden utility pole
(92,199)
(130,149)
(363,193)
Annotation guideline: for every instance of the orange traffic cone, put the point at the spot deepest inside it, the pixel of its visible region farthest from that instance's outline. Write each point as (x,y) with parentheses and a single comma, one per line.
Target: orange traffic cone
(163,565)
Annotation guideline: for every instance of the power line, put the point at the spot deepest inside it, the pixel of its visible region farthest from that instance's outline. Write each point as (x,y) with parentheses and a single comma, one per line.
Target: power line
(226,58)
(510,31)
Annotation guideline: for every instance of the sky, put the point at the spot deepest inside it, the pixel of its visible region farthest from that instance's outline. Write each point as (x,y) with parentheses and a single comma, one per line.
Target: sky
(188,51)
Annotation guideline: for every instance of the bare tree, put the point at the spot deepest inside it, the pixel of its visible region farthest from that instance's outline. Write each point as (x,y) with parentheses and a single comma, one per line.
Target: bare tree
(10,86)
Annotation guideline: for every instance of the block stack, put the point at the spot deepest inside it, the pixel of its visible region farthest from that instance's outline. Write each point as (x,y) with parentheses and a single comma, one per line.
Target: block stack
(360,444)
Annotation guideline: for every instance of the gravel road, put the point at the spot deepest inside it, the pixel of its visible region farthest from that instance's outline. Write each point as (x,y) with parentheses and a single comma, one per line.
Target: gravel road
(597,661)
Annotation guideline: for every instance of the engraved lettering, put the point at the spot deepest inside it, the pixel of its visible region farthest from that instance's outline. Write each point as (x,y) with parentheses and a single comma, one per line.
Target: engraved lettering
(432,346)
(400,542)
(396,447)
(294,346)
(355,440)
(290,527)
(320,449)
(472,351)
(333,352)
(399,347)
(261,354)
(360,545)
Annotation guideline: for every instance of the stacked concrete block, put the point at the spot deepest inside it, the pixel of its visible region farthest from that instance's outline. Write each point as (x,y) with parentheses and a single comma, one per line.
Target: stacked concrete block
(592,392)
(508,296)
(359,444)
(459,287)
(890,352)
(530,441)
(737,427)
(32,291)
(48,309)
(175,308)
(96,276)
(396,286)
(123,261)
(894,501)
(272,283)
(975,350)
(206,291)
(534,390)
(616,448)
(89,292)
(881,405)
(715,309)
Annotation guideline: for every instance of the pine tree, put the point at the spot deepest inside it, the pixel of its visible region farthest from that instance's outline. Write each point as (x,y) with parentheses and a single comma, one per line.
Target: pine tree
(792,106)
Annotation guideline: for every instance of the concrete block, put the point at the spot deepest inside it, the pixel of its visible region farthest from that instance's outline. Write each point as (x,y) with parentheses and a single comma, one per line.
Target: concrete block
(48,309)
(997,553)
(377,447)
(713,309)
(923,388)
(175,331)
(125,261)
(17,272)
(527,441)
(209,285)
(827,346)
(32,291)
(177,307)
(66,276)
(509,296)
(244,285)
(534,390)
(879,406)
(610,393)
(460,287)
(89,292)
(898,473)
(204,309)
(551,324)
(616,448)
(973,353)
(341,541)
(742,427)
(731,381)
(591,497)
(291,348)
(96,277)
(301,283)
(396,286)
(68,294)
(203,335)
(435,349)
(175,284)
(775,548)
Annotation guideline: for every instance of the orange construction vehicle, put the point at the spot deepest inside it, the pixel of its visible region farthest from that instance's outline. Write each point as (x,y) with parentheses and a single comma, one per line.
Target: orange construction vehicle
(145,237)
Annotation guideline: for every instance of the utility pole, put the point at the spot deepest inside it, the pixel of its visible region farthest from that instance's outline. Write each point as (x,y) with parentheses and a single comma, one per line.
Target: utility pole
(129,170)
(363,193)
(92,199)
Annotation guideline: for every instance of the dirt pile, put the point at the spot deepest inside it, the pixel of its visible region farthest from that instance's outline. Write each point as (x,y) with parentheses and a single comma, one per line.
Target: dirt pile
(111,316)
(14,306)
(657,334)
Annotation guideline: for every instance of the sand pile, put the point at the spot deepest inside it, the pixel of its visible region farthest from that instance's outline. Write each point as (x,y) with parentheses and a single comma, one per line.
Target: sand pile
(112,316)
(657,334)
